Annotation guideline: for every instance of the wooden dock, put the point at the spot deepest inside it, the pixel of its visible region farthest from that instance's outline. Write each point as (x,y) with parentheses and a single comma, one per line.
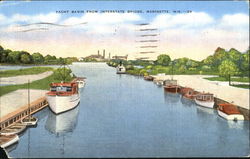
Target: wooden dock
(22,112)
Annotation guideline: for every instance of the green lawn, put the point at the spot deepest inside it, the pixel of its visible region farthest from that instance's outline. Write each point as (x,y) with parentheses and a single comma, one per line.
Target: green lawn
(26,71)
(233,79)
(39,84)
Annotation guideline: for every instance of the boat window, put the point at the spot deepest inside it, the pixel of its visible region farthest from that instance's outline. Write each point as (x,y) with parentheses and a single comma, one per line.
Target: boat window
(53,89)
(62,89)
(69,89)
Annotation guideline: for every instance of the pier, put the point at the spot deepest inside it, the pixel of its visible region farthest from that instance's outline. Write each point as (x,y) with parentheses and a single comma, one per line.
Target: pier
(23,112)
(14,106)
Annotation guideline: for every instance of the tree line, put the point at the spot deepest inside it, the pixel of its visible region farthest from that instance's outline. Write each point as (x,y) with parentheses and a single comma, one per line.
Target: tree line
(23,57)
(222,62)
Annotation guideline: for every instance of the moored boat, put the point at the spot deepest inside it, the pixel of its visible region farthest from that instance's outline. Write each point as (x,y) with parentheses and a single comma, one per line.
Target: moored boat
(158,82)
(148,78)
(188,93)
(171,86)
(30,120)
(80,81)
(229,112)
(63,96)
(9,140)
(120,69)
(16,128)
(205,100)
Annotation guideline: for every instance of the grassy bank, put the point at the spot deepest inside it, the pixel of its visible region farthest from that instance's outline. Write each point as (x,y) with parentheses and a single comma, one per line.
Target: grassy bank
(233,79)
(39,84)
(26,71)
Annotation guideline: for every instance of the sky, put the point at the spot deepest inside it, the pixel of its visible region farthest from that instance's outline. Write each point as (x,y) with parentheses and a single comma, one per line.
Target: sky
(192,29)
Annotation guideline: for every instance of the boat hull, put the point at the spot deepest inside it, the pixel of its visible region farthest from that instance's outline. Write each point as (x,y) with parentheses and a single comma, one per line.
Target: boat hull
(59,104)
(30,122)
(230,116)
(10,142)
(207,104)
(172,89)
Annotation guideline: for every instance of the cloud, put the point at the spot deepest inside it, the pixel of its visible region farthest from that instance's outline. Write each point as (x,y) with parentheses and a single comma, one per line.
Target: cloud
(238,20)
(50,18)
(194,19)
(104,18)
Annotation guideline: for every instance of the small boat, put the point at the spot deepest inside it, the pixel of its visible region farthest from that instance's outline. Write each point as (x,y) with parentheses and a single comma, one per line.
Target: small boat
(148,78)
(205,100)
(16,128)
(80,81)
(158,82)
(120,69)
(229,112)
(188,93)
(171,86)
(29,120)
(63,96)
(6,141)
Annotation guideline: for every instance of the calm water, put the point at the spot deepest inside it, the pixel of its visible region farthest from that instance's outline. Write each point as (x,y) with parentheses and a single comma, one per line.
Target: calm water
(125,116)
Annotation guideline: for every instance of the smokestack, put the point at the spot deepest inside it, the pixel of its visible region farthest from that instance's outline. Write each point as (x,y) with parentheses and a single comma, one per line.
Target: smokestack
(98,53)
(104,53)
(109,55)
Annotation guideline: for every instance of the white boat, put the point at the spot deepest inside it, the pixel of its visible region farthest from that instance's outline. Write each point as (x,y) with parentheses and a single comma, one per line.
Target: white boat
(9,140)
(229,112)
(205,100)
(158,82)
(120,69)
(80,81)
(63,96)
(30,120)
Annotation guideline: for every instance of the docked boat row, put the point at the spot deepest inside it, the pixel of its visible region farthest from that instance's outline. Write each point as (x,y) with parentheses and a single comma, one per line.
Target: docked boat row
(204,99)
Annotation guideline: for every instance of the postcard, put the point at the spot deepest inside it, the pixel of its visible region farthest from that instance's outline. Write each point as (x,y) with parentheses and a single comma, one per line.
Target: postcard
(100,79)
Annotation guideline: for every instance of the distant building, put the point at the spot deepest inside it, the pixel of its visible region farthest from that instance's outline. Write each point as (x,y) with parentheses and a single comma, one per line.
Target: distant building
(120,57)
(97,57)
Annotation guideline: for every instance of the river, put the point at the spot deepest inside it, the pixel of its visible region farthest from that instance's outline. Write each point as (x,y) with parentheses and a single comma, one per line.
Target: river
(126,116)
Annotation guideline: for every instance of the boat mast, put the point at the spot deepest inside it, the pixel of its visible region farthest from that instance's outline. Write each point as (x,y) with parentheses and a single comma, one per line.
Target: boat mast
(29,97)
(172,71)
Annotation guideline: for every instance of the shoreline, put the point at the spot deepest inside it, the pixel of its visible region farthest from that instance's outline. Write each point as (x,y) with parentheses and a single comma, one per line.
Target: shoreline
(22,79)
(239,96)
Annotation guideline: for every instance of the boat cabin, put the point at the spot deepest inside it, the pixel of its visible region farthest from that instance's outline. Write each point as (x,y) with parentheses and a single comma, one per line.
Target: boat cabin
(170,82)
(63,88)
(228,108)
(205,97)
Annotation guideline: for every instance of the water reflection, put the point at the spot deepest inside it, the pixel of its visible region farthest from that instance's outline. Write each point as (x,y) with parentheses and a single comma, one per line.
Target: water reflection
(205,111)
(62,123)
(186,102)
(171,97)
(235,124)
(11,147)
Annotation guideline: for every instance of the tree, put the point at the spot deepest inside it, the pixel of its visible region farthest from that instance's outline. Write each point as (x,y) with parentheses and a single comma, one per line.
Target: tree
(37,58)
(219,55)
(26,58)
(4,55)
(1,49)
(48,59)
(227,68)
(14,57)
(163,60)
